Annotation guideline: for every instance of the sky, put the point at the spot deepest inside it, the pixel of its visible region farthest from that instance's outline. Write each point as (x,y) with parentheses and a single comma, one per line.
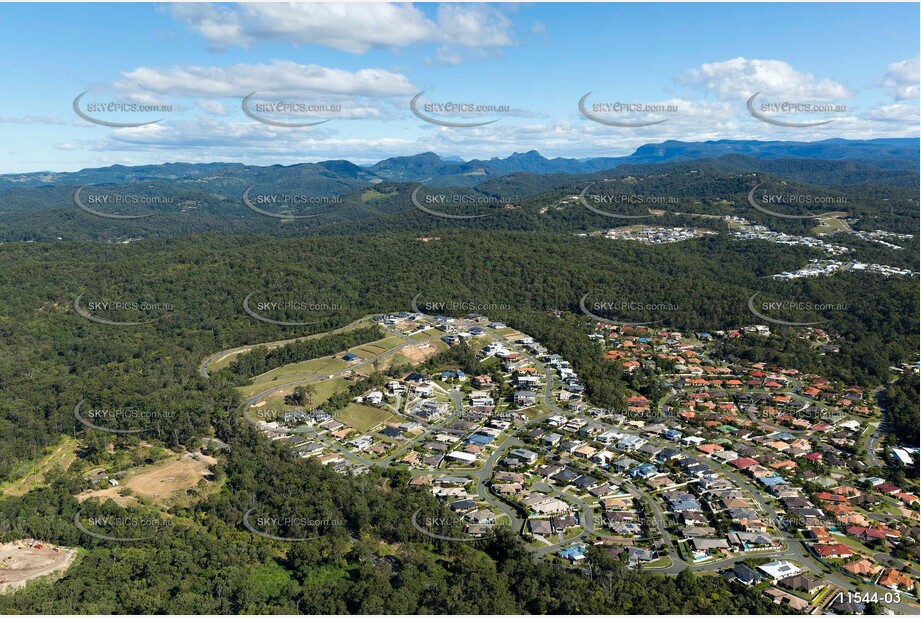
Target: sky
(688,68)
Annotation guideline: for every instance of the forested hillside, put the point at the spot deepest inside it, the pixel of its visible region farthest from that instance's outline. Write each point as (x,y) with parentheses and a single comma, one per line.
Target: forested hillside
(52,358)
(175,285)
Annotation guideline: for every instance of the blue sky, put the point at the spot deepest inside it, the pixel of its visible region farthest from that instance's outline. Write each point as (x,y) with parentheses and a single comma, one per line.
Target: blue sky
(697,64)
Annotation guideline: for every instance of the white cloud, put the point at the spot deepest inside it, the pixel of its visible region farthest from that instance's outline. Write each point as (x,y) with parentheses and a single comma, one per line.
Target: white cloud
(740,78)
(473,25)
(30,120)
(372,94)
(208,139)
(444,55)
(350,27)
(212,107)
(896,114)
(903,78)
(279,77)
(220,25)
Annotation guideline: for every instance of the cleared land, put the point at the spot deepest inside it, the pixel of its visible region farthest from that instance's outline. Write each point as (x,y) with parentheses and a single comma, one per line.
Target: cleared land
(161,482)
(373,194)
(324,365)
(231,355)
(377,347)
(33,474)
(414,355)
(831,222)
(364,418)
(21,562)
(276,400)
(308,370)
(536,410)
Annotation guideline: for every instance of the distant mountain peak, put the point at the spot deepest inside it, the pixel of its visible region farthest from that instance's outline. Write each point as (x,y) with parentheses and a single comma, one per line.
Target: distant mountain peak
(531,154)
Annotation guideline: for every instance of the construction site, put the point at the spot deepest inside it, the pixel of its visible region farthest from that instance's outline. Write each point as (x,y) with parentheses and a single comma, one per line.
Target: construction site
(28,559)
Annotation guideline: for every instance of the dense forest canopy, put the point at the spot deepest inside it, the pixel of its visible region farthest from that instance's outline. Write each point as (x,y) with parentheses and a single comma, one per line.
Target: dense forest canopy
(53,358)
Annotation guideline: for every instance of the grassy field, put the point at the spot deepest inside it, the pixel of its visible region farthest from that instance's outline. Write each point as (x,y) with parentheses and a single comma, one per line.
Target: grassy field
(32,474)
(374,194)
(320,366)
(831,222)
(324,390)
(327,388)
(364,418)
(327,364)
(377,347)
(535,410)
(398,358)
(225,361)
(441,345)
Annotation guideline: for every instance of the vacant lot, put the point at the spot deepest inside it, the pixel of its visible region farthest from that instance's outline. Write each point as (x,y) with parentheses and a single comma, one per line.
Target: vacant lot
(831,222)
(321,366)
(317,366)
(364,418)
(21,563)
(276,401)
(228,357)
(32,474)
(325,389)
(415,354)
(535,410)
(162,482)
(377,347)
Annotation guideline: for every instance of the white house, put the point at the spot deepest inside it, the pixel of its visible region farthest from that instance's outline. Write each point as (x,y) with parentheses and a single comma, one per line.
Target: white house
(462,456)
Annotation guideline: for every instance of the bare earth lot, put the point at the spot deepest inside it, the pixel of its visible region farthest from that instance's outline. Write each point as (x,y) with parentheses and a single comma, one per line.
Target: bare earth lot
(159,482)
(416,354)
(21,563)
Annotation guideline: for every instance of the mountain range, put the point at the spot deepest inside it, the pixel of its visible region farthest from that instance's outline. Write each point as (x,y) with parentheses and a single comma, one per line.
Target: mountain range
(891,154)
